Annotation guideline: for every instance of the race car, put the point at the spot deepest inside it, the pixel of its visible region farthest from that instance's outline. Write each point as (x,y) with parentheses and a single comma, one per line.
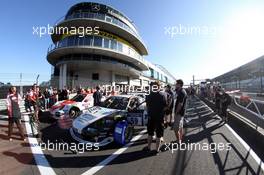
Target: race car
(113,120)
(72,107)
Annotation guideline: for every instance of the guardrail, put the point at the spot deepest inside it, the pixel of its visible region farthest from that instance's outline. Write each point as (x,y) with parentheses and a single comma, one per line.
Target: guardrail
(100,17)
(255,107)
(115,46)
(248,117)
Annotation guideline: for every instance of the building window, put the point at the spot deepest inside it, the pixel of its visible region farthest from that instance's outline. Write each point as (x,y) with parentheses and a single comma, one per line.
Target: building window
(166,79)
(88,40)
(80,41)
(151,73)
(115,21)
(98,41)
(108,19)
(71,41)
(95,76)
(106,43)
(113,44)
(119,47)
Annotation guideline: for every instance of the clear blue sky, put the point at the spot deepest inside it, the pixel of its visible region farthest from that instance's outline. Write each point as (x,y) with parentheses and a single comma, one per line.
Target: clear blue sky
(237,38)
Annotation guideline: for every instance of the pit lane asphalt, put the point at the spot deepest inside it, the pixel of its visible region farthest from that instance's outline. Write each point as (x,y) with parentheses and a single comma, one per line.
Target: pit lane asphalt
(204,127)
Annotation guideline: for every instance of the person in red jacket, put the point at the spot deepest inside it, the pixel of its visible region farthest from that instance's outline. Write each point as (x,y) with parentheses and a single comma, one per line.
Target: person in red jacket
(14,115)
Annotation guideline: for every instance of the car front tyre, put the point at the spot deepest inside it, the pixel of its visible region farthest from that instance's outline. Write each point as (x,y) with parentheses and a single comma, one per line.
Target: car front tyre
(74,113)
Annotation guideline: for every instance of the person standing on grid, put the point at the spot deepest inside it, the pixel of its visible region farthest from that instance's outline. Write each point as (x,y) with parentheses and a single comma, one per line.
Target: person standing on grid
(14,115)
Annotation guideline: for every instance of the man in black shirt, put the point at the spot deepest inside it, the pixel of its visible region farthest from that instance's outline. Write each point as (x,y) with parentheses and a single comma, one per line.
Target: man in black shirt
(65,93)
(97,95)
(179,110)
(46,94)
(156,104)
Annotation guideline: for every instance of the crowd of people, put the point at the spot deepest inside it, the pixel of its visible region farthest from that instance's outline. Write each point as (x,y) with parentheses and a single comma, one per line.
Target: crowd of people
(216,94)
(166,108)
(160,106)
(44,98)
(35,100)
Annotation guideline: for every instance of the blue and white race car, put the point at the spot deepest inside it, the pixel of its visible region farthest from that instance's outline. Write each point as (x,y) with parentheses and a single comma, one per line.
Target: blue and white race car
(113,120)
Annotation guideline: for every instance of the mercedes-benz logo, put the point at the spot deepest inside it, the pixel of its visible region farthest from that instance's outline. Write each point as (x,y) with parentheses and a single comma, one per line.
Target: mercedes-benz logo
(96,7)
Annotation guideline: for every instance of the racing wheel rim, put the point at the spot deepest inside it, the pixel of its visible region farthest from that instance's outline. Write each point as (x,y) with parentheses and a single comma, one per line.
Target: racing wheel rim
(73,113)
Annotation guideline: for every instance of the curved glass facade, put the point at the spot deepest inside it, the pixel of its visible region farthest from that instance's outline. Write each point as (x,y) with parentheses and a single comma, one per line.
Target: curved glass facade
(86,7)
(156,75)
(96,41)
(103,17)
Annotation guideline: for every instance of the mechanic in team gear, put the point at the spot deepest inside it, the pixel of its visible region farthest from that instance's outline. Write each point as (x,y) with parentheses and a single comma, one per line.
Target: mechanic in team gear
(97,96)
(14,115)
(179,110)
(156,103)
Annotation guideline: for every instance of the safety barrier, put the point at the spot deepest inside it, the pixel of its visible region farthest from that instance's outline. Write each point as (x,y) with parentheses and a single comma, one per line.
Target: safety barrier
(255,107)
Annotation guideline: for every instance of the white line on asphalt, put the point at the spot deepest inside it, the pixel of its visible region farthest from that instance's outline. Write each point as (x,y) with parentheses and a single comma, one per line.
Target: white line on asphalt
(247,147)
(40,159)
(102,164)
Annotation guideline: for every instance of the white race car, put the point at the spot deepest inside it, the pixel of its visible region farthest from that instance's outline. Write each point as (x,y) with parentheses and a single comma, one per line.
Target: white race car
(114,120)
(72,107)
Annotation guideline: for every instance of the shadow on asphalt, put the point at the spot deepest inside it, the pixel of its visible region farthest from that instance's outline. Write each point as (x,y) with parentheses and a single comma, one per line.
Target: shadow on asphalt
(24,158)
(201,123)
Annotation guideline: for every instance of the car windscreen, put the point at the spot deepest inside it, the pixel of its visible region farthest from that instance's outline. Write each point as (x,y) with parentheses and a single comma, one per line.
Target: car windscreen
(116,102)
(78,98)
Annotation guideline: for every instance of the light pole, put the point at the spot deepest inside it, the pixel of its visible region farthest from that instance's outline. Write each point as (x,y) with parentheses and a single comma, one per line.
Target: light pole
(37,79)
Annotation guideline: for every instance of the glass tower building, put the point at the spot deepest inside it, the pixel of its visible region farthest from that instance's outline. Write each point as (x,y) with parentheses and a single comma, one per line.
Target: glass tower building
(96,44)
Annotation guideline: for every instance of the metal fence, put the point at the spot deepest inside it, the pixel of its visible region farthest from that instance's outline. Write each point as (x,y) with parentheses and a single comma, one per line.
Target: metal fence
(254,106)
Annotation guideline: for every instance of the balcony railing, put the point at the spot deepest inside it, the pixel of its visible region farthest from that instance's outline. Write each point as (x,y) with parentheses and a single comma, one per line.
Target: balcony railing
(97,42)
(102,17)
